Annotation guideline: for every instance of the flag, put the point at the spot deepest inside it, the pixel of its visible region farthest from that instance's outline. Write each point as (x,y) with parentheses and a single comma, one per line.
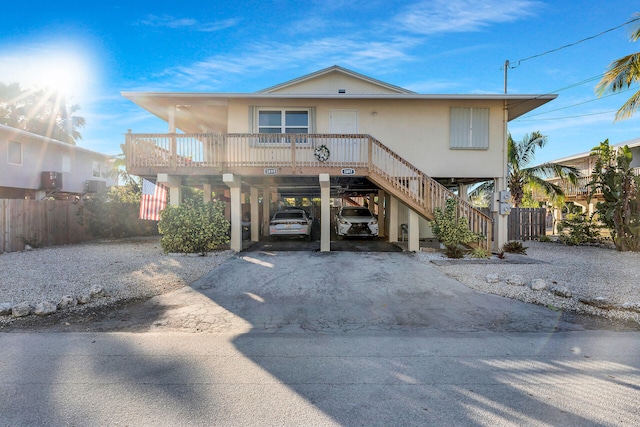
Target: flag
(152,201)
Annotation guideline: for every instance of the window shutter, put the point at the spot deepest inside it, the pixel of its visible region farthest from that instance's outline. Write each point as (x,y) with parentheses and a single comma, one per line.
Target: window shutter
(460,127)
(312,120)
(252,119)
(469,128)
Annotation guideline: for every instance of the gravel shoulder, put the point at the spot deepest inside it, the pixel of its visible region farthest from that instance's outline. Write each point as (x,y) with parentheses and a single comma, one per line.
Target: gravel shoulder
(589,272)
(132,270)
(128,270)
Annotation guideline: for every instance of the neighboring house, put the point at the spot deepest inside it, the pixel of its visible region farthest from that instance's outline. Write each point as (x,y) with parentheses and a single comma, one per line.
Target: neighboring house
(329,134)
(36,167)
(578,194)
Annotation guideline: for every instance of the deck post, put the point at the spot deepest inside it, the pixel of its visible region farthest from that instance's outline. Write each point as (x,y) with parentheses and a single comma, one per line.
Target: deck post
(381,213)
(414,232)
(234,184)
(174,182)
(206,188)
(393,220)
(255,215)
(266,209)
(325,213)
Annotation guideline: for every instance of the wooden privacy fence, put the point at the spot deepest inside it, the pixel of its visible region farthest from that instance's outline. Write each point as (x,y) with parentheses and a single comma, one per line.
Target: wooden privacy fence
(45,222)
(527,223)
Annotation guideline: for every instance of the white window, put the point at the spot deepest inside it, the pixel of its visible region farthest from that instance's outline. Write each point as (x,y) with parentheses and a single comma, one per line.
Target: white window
(14,153)
(283,121)
(66,163)
(469,128)
(96,169)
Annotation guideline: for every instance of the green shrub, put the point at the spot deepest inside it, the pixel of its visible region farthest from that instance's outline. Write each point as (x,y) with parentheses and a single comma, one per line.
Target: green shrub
(114,214)
(452,231)
(580,230)
(544,238)
(480,253)
(193,227)
(454,252)
(514,247)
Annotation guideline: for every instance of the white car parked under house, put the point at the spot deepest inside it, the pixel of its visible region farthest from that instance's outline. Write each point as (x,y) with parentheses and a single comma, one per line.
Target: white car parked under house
(356,221)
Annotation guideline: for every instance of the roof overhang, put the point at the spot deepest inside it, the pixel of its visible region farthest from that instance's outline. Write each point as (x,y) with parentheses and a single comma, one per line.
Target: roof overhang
(203,112)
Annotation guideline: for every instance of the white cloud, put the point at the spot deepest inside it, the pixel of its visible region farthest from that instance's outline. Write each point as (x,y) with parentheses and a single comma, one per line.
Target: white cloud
(190,23)
(446,16)
(265,56)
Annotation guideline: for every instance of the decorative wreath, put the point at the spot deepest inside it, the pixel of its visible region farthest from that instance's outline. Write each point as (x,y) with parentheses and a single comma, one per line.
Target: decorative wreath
(322,153)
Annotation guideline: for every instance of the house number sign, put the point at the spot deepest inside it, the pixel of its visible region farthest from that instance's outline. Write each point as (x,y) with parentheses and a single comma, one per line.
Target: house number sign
(271,171)
(348,171)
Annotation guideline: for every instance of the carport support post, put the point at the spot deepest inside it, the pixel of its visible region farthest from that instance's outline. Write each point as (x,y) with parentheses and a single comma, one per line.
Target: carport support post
(207,192)
(381,213)
(325,213)
(266,210)
(414,232)
(393,219)
(255,215)
(174,183)
(501,230)
(234,183)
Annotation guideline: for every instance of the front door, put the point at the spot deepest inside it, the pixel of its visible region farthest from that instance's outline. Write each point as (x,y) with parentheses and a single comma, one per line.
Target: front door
(347,150)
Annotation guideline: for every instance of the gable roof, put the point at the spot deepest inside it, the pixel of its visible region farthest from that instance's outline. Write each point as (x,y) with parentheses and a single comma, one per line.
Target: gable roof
(335,70)
(203,111)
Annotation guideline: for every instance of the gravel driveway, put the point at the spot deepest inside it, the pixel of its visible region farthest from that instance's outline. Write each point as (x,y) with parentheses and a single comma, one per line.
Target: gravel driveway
(136,269)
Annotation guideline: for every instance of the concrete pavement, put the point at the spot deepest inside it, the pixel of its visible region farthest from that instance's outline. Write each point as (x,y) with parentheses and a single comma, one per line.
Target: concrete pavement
(284,338)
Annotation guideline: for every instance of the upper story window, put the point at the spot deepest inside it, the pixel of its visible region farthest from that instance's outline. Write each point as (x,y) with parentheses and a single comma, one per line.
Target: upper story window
(96,169)
(14,153)
(66,163)
(283,121)
(469,128)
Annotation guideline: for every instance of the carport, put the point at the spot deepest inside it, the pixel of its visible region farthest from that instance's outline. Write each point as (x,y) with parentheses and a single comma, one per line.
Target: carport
(322,186)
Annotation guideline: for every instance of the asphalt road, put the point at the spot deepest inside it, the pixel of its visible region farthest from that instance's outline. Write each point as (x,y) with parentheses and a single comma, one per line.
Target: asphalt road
(304,338)
(362,379)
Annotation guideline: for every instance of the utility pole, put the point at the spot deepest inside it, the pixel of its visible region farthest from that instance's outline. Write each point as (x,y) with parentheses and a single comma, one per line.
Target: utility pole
(506,67)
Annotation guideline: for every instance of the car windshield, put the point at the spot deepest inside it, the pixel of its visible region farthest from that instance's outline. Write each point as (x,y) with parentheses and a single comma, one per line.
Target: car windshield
(289,215)
(355,212)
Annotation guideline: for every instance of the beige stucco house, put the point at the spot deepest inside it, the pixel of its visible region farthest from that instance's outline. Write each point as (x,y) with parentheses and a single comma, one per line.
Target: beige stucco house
(333,132)
(37,167)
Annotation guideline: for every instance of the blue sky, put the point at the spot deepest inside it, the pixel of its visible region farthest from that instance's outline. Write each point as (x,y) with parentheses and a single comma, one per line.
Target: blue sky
(437,46)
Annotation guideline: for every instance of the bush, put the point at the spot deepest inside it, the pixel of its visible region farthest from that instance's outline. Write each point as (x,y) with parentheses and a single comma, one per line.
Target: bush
(514,247)
(114,214)
(544,238)
(480,253)
(193,227)
(580,230)
(452,231)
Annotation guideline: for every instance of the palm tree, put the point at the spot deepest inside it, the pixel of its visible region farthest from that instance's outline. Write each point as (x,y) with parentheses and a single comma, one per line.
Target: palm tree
(41,112)
(523,178)
(621,74)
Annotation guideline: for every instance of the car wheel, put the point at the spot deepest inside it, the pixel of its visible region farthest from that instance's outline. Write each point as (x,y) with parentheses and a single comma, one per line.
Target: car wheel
(308,238)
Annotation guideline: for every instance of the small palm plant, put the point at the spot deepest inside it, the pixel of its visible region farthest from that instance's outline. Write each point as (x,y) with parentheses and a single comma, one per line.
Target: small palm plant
(452,230)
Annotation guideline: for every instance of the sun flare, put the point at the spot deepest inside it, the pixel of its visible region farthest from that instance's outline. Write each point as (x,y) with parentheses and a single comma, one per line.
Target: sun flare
(63,71)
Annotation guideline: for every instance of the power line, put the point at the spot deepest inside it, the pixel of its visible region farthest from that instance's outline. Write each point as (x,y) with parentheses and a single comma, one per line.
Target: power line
(575,43)
(579,103)
(566,117)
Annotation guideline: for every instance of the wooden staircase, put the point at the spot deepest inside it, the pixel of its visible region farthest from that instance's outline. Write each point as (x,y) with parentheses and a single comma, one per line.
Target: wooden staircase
(420,192)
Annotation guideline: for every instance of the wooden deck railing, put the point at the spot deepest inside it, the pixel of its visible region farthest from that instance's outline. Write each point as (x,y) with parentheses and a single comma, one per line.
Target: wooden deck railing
(420,191)
(578,190)
(233,152)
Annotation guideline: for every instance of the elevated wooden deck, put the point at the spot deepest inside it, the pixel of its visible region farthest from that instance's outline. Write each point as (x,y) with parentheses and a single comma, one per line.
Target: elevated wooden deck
(296,155)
